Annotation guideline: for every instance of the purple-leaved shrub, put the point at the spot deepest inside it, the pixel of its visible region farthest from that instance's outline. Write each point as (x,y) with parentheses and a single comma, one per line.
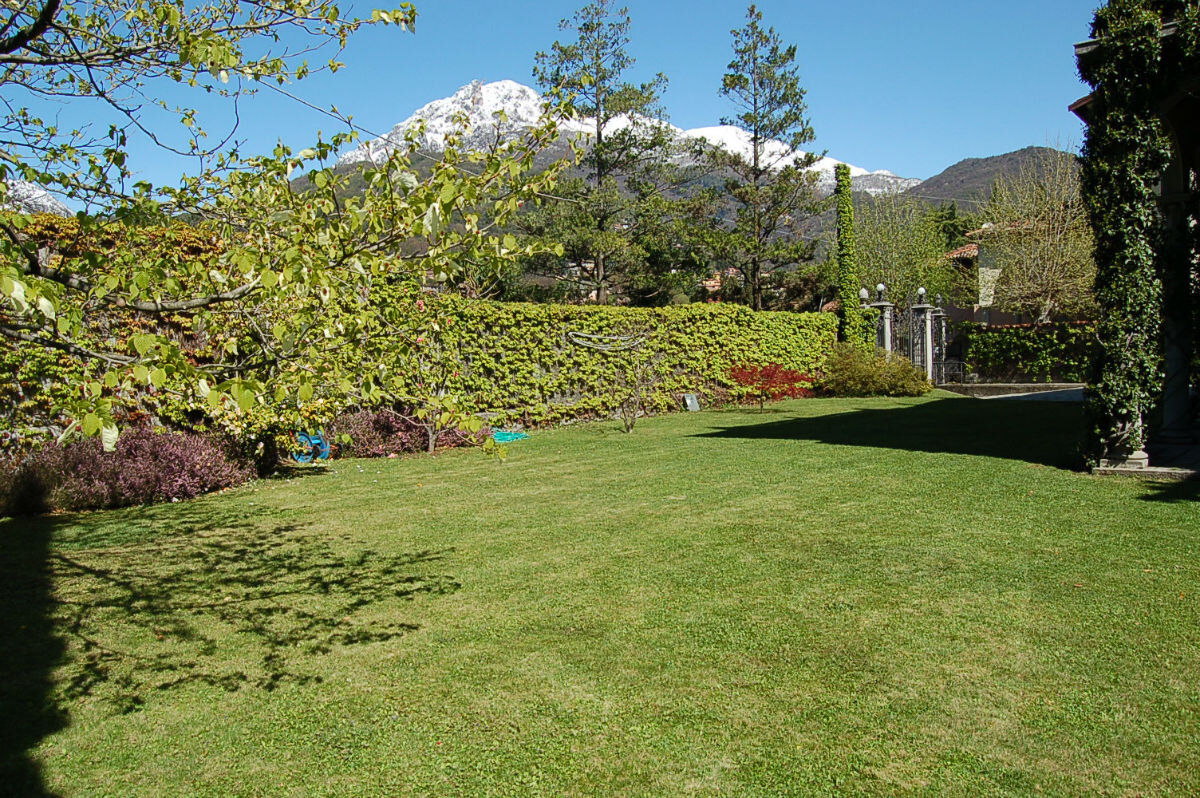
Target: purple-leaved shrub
(379,433)
(147,466)
(376,433)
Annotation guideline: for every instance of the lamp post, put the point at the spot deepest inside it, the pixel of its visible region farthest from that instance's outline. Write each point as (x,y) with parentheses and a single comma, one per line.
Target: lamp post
(883,335)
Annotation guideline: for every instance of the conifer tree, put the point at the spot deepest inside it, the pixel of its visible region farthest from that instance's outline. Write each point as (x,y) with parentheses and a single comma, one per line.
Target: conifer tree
(621,162)
(772,188)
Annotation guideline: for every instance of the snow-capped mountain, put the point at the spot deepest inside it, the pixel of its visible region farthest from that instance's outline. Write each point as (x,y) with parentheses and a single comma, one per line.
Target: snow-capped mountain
(29,197)
(777,154)
(479,102)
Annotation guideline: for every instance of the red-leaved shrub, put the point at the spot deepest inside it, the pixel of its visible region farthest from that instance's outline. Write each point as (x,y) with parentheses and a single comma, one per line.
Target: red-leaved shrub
(771,381)
(147,466)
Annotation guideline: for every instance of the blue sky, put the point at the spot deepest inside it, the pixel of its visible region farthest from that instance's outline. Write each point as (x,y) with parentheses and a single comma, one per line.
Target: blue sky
(907,86)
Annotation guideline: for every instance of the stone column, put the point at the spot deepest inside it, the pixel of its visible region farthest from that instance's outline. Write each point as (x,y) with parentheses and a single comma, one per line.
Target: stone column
(924,313)
(883,333)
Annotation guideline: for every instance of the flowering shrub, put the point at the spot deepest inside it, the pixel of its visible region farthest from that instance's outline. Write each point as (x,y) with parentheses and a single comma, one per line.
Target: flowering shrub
(147,466)
(771,381)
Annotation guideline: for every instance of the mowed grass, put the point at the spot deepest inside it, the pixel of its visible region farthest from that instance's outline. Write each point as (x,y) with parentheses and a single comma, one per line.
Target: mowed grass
(877,597)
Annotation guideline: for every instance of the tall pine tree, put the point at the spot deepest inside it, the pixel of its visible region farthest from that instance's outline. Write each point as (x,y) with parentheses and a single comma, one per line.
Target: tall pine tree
(629,140)
(772,188)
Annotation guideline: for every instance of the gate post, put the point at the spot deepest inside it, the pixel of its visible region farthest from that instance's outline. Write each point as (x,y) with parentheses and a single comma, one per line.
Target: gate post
(883,332)
(926,311)
(939,343)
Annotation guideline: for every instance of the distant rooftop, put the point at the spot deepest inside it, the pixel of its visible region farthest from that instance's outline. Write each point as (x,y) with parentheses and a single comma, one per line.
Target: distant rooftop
(1084,49)
(966,252)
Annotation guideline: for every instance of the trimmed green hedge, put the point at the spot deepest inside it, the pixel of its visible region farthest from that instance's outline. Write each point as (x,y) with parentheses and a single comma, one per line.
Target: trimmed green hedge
(1048,353)
(512,359)
(517,359)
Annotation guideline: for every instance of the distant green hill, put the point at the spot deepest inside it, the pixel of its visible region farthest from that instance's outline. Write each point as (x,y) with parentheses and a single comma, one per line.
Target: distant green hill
(969,182)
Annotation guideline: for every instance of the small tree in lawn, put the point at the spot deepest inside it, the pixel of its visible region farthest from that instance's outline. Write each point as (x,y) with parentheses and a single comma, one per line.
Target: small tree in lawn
(634,383)
(771,381)
(285,310)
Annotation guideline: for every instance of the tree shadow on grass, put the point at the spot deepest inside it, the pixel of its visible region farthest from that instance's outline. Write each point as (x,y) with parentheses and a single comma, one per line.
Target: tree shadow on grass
(1047,433)
(212,600)
(1184,490)
(29,651)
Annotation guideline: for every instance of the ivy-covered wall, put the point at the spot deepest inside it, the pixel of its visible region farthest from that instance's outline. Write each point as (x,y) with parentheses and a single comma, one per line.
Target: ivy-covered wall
(519,359)
(513,359)
(1026,353)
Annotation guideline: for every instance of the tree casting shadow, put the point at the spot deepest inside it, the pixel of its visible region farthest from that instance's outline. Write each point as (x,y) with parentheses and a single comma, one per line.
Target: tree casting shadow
(211,600)
(1047,433)
(29,652)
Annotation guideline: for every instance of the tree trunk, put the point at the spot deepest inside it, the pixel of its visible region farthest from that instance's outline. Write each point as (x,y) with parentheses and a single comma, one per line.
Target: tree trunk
(601,290)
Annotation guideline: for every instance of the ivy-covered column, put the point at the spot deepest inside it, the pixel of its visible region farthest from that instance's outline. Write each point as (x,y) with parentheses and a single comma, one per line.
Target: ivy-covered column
(1125,153)
(852,320)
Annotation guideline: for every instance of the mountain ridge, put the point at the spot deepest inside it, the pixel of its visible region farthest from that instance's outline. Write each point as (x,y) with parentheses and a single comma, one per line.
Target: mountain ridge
(970,180)
(479,103)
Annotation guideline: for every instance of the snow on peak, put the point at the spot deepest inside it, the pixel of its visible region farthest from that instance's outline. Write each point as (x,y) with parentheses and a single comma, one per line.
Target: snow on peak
(524,108)
(29,197)
(478,101)
(776,153)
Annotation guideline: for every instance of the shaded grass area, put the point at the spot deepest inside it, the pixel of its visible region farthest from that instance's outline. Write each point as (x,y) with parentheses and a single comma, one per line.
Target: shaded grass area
(835,596)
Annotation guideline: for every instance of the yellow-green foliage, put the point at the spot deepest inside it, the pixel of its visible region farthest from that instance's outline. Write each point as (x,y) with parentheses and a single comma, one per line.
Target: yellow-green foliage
(517,359)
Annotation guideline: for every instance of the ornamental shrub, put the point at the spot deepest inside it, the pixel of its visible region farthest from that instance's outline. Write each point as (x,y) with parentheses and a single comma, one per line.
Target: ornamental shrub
(1027,353)
(375,433)
(382,433)
(849,371)
(147,466)
(771,381)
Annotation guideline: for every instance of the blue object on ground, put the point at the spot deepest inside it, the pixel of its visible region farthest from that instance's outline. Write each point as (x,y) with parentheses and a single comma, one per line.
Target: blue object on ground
(508,436)
(313,446)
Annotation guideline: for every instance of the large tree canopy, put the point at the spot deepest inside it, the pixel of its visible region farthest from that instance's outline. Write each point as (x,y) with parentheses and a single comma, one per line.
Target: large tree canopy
(605,215)
(287,306)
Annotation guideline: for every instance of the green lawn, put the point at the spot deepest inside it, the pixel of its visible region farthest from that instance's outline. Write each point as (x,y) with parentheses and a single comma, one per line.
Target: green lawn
(835,596)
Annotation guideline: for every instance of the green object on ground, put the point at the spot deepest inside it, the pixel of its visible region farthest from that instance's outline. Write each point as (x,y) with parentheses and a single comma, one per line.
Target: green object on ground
(508,436)
(866,596)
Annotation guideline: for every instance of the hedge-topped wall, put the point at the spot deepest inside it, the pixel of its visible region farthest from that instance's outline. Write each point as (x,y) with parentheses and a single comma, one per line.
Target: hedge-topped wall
(1058,352)
(518,359)
(513,359)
